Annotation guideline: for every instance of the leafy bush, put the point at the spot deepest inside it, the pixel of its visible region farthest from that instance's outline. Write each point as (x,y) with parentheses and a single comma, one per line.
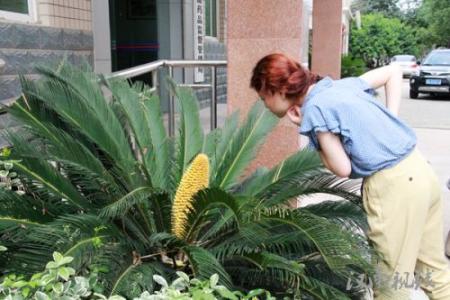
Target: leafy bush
(58,282)
(351,66)
(106,185)
(8,178)
(380,38)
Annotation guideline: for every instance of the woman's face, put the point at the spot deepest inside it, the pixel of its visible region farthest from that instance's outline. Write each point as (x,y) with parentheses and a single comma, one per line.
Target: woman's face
(276,103)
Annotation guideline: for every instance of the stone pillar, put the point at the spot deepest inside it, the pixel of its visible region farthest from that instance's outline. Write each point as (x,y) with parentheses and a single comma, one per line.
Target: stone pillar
(327,38)
(255,29)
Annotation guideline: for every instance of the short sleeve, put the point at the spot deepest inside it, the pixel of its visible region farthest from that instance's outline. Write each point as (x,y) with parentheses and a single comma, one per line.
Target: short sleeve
(316,120)
(359,83)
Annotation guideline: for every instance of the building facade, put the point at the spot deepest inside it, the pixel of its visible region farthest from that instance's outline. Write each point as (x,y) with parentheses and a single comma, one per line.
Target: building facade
(113,35)
(110,35)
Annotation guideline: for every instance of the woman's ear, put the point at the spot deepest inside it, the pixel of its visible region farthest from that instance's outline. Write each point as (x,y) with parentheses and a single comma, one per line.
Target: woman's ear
(295,114)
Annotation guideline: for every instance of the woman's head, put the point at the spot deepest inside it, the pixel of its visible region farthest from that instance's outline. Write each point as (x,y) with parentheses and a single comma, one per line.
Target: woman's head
(281,82)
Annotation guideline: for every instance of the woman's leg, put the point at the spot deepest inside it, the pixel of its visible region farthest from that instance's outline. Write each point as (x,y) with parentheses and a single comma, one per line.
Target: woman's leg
(397,202)
(432,265)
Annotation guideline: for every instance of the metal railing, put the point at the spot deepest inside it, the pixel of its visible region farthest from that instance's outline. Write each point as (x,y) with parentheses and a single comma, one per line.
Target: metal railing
(153,67)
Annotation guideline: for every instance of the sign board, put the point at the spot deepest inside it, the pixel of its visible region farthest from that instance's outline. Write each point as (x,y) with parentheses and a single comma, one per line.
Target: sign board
(199,36)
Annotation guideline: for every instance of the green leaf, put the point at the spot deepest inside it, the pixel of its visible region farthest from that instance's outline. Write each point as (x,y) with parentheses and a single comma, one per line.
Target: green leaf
(292,171)
(225,134)
(206,200)
(120,206)
(41,296)
(183,275)
(19,284)
(159,159)
(160,280)
(65,273)
(213,280)
(204,265)
(51,265)
(57,257)
(190,138)
(225,293)
(26,292)
(254,293)
(37,168)
(243,145)
(65,261)
(58,287)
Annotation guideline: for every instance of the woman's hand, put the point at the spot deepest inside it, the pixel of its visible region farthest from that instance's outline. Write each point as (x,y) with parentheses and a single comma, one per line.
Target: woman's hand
(391,77)
(295,115)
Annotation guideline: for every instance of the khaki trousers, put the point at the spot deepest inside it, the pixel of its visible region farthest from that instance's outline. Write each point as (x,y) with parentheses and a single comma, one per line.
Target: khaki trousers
(405,214)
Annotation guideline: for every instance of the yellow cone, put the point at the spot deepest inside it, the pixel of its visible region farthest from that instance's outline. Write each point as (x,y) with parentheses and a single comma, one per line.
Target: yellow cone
(195,178)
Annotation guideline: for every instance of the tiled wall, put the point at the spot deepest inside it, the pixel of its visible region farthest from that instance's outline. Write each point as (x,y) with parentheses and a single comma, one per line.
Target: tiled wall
(73,14)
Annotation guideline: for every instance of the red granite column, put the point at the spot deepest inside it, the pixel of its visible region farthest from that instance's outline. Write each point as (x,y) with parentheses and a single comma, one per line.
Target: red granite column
(255,29)
(327,37)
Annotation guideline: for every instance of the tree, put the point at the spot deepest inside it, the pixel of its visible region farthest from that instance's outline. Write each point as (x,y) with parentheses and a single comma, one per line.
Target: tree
(437,13)
(388,8)
(380,38)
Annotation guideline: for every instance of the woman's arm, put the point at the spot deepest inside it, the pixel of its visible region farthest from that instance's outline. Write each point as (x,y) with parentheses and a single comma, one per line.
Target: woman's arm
(391,77)
(333,154)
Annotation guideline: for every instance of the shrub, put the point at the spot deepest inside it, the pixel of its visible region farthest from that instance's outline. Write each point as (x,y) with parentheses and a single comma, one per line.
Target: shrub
(106,185)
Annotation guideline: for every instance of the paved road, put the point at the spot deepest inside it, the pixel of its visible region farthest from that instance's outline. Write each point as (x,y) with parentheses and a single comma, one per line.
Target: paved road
(425,112)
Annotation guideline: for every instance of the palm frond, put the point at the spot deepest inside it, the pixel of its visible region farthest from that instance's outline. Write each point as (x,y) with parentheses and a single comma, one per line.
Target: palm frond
(120,206)
(243,145)
(265,260)
(77,98)
(159,159)
(320,290)
(23,207)
(221,141)
(335,246)
(136,279)
(33,166)
(321,182)
(190,139)
(343,212)
(206,200)
(131,104)
(293,170)
(204,265)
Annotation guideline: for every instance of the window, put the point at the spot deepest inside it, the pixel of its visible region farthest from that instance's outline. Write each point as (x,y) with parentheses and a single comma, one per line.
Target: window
(211,17)
(20,10)
(438,59)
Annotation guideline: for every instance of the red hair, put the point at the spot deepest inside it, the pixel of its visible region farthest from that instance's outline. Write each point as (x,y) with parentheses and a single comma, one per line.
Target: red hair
(278,72)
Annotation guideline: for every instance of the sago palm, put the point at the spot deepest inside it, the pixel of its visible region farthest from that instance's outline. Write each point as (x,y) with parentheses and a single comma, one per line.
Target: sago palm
(105,184)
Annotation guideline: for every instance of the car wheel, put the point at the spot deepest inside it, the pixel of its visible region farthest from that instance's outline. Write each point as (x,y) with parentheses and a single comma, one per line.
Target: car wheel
(413,94)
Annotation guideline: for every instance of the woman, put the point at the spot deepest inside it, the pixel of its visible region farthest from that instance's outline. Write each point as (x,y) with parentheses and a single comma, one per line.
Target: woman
(358,137)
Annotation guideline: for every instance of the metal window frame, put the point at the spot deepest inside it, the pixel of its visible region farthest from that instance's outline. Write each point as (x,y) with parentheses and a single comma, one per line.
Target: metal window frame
(14,16)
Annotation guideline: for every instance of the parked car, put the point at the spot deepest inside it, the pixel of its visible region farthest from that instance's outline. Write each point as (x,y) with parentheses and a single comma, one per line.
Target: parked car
(432,76)
(408,63)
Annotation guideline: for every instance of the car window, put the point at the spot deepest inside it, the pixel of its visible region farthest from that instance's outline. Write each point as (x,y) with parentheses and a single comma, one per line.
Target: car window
(403,58)
(438,58)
